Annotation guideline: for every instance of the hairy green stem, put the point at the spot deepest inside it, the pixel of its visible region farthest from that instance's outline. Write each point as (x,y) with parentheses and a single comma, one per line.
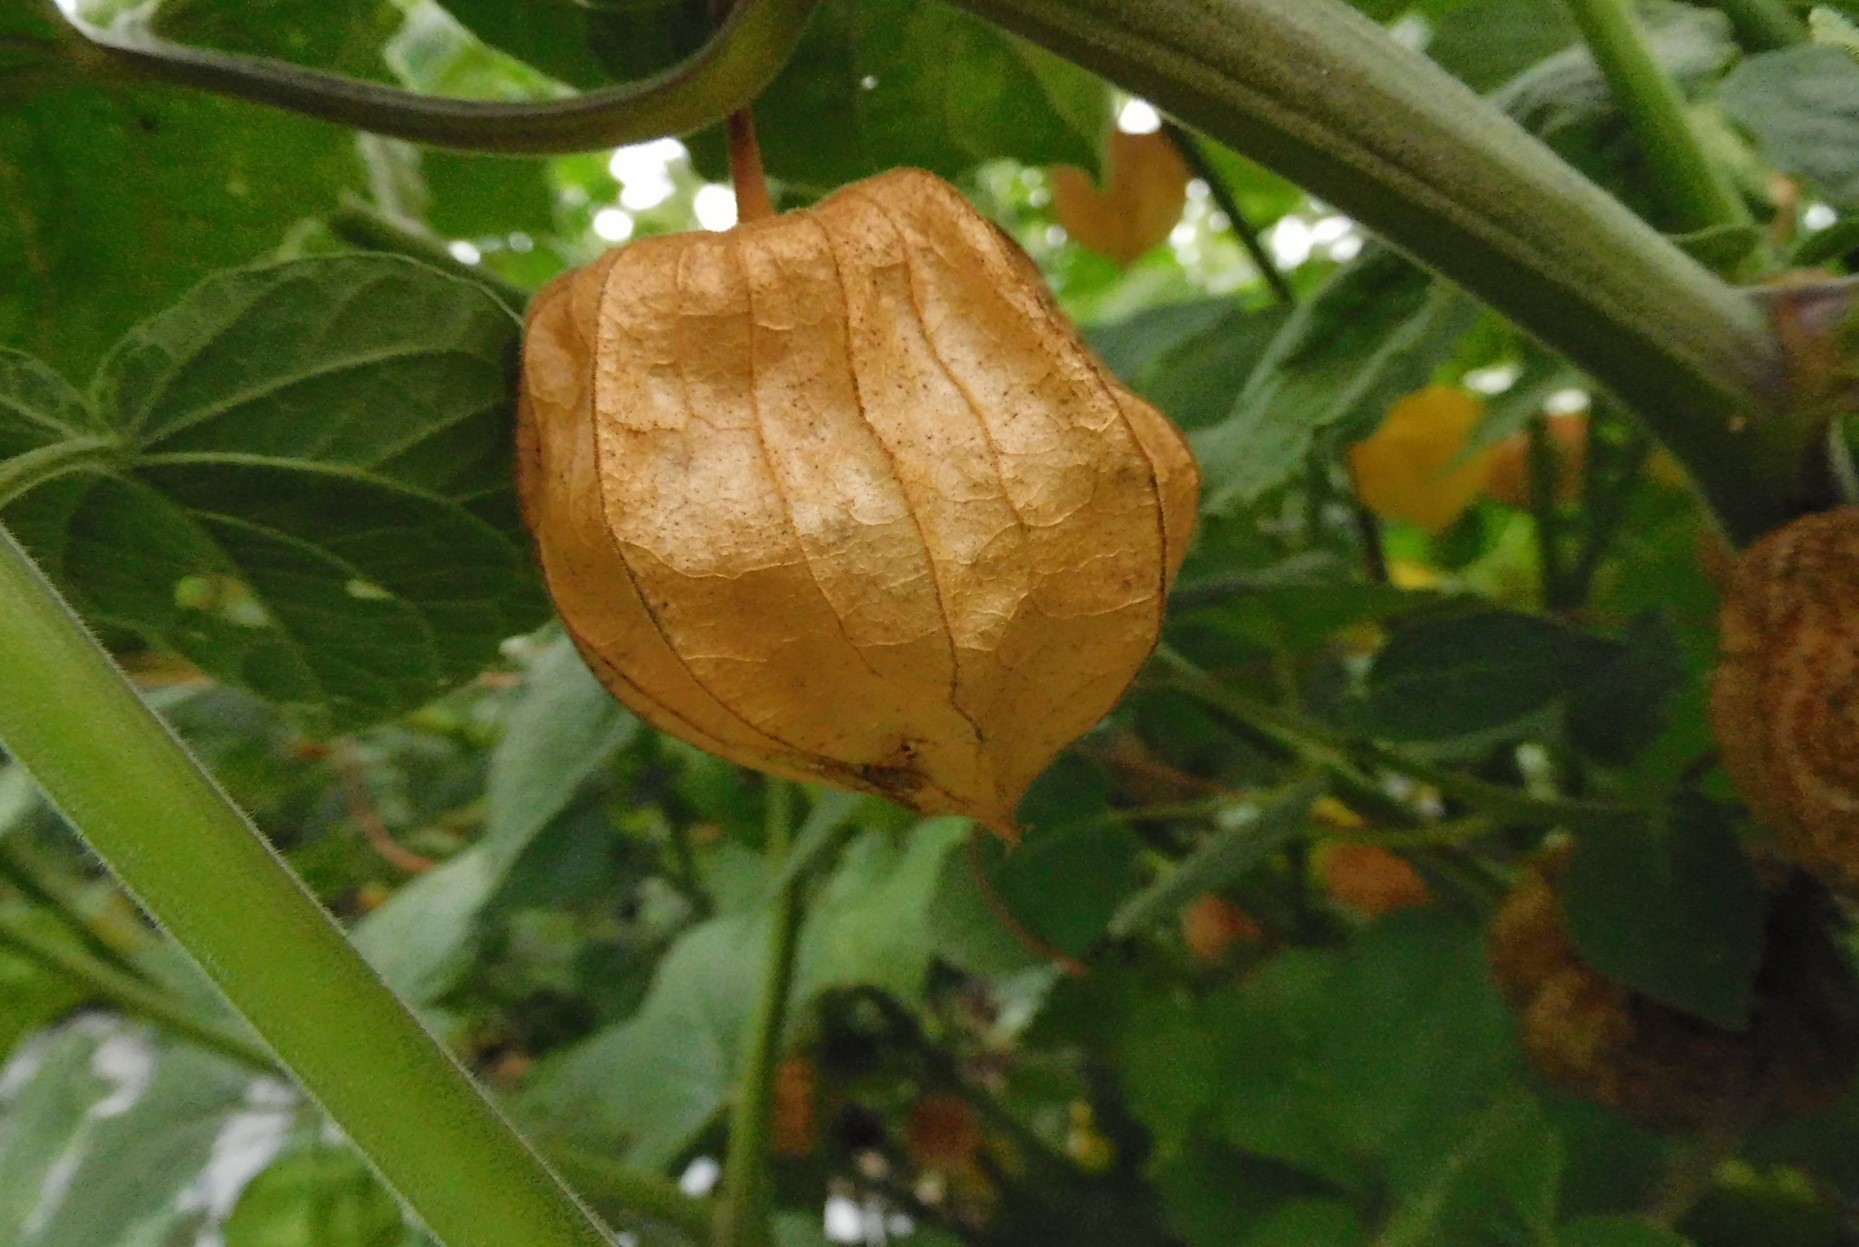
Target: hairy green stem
(1322,95)
(1765,25)
(1699,195)
(191,859)
(747,51)
(742,1215)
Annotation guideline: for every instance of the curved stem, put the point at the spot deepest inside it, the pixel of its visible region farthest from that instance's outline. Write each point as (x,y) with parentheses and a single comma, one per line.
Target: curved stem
(742,1215)
(1396,142)
(745,54)
(187,854)
(1699,195)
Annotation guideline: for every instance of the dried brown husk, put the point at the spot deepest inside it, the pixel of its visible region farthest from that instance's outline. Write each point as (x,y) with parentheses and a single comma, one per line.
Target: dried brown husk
(841,495)
(1667,1069)
(1785,697)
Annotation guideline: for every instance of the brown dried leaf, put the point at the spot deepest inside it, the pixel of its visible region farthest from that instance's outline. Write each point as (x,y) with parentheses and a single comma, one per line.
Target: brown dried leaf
(1136,209)
(1785,698)
(840,495)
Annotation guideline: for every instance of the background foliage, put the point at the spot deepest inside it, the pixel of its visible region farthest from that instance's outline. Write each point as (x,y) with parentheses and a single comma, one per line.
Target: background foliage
(267,455)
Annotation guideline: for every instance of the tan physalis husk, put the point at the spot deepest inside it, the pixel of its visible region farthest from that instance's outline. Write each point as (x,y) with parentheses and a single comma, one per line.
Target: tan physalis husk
(1785,697)
(1664,1068)
(841,495)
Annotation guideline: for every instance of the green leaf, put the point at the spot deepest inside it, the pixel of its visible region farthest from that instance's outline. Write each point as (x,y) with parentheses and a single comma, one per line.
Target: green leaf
(318,1196)
(1470,672)
(1628,702)
(562,730)
(1308,1223)
(587,45)
(1802,104)
(1488,42)
(1220,860)
(1190,359)
(40,1120)
(869,924)
(120,199)
(1331,1062)
(311,458)
(1061,884)
(124,1171)
(1617,1232)
(1373,333)
(651,1083)
(917,82)
(1672,909)
(1498,1183)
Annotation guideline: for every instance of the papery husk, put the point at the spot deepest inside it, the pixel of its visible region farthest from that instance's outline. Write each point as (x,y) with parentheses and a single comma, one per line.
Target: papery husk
(1785,696)
(840,495)
(1664,1068)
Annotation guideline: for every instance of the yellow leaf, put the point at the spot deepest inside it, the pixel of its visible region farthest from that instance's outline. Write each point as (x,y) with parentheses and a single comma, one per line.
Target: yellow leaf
(1409,469)
(1134,212)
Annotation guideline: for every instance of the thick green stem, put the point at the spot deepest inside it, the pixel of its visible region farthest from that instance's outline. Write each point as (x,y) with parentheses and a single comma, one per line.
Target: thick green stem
(1700,197)
(1319,93)
(742,1216)
(726,73)
(1765,25)
(201,870)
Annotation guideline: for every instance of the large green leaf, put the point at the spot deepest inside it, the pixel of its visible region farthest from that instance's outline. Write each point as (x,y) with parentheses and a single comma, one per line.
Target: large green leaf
(588,45)
(1330,1061)
(1617,1232)
(1190,359)
(310,496)
(40,1116)
(121,1173)
(1470,672)
(1802,104)
(1672,909)
(118,199)
(652,1082)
